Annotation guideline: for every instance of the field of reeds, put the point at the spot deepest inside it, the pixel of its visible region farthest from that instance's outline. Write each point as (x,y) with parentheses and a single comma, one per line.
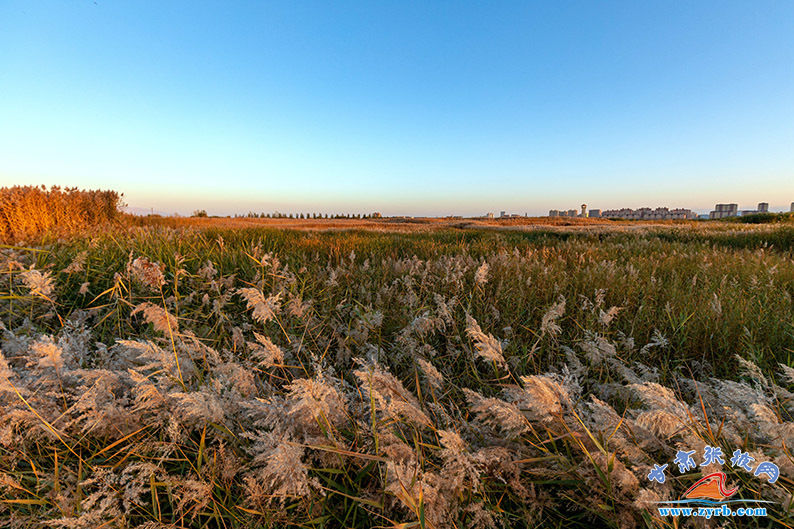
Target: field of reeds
(28,212)
(191,376)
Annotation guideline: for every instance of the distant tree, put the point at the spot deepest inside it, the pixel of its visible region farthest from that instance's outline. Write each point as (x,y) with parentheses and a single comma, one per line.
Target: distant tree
(200,213)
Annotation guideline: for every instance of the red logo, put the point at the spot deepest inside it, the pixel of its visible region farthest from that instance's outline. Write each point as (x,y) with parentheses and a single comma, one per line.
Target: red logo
(711,487)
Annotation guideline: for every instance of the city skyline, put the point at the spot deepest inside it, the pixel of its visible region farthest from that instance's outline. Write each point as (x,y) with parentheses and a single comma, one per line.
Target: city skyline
(418,109)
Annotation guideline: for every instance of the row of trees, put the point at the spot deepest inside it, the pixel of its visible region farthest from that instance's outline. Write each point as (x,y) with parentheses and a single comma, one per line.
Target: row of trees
(279,215)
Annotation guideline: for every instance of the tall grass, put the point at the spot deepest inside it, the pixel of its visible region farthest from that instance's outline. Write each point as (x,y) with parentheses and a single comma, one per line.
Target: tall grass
(711,295)
(162,377)
(29,212)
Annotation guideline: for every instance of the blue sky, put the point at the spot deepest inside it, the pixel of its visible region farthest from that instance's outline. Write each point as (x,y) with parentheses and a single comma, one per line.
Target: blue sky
(431,108)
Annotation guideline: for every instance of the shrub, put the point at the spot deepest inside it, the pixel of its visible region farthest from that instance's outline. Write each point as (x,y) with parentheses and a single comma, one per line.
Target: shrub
(763,218)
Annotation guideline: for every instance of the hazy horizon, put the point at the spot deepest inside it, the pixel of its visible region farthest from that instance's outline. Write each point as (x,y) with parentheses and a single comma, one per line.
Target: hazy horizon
(407,109)
(239,209)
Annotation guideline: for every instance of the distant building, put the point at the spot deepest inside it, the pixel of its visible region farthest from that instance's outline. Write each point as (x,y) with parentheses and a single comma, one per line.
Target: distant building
(376,215)
(489,215)
(682,213)
(503,214)
(623,213)
(572,212)
(732,210)
(722,211)
(627,213)
(763,207)
(792,208)
(648,214)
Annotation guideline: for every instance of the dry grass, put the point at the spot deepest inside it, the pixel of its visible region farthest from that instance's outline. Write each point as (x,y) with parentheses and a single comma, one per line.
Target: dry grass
(28,212)
(198,376)
(397,224)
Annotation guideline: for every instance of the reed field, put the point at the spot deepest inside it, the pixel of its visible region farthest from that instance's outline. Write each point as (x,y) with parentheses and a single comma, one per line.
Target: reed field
(30,212)
(166,373)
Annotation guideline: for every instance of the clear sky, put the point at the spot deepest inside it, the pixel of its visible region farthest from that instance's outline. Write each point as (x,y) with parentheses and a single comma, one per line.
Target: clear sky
(434,107)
